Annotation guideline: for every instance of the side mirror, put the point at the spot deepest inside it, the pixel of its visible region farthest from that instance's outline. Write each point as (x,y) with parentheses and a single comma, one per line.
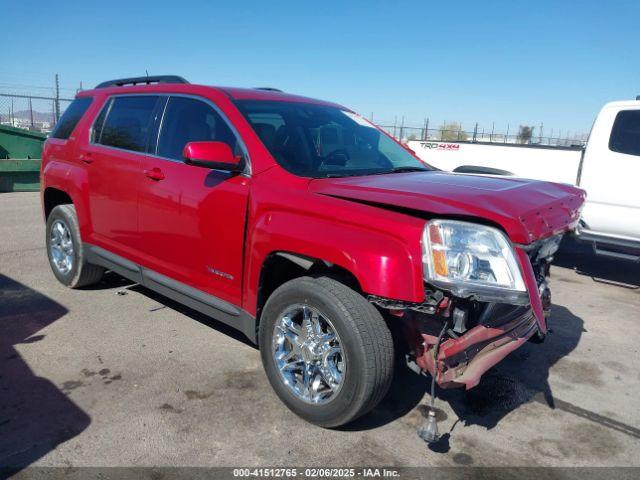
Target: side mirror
(214,155)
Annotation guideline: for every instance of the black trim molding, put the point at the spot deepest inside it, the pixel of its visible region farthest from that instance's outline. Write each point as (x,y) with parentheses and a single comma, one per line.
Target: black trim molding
(198,300)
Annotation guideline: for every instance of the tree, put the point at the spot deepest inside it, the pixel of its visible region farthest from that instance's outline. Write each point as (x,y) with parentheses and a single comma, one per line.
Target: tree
(412,137)
(452,131)
(525,133)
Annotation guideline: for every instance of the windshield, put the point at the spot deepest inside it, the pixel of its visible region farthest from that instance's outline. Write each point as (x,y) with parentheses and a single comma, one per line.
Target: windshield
(323,141)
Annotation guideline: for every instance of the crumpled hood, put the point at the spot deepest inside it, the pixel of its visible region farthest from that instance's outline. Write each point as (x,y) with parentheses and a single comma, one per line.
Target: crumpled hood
(527,210)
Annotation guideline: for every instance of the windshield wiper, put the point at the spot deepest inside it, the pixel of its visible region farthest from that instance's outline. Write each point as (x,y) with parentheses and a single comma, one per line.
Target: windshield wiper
(339,175)
(384,172)
(402,170)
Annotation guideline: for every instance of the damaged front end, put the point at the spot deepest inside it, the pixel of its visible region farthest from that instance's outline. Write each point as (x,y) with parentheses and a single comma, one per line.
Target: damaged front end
(477,308)
(491,332)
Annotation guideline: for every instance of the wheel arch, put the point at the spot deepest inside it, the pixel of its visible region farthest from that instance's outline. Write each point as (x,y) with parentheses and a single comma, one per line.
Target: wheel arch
(281,266)
(62,183)
(52,197)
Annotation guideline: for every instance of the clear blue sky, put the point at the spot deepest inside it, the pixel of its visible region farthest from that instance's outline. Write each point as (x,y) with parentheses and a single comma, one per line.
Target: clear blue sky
(513,62)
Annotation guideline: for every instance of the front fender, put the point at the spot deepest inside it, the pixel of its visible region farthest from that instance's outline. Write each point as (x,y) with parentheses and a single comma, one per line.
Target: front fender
(385,264)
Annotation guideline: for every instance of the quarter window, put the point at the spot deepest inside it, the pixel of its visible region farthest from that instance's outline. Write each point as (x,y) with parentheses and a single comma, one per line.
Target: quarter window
(190,120)
(625,134)
(99,123)
(71,117)
(127,124)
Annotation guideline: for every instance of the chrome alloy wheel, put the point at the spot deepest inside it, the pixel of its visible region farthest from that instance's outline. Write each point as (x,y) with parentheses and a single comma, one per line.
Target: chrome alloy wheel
(308,354)
(61,247)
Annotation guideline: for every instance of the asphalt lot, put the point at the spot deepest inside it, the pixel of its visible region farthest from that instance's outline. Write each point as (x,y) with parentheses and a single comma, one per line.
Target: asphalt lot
(116,375)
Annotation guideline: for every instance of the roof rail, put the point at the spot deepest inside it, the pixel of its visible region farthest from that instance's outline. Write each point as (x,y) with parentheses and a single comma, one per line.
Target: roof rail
(120,82)
(269,89)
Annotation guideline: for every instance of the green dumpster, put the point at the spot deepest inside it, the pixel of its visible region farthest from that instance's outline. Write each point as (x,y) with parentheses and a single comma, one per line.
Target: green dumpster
(20,152)
(20,175)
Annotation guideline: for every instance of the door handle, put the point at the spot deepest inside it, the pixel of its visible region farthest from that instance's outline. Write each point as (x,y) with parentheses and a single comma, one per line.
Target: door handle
(86,157)
(154,174)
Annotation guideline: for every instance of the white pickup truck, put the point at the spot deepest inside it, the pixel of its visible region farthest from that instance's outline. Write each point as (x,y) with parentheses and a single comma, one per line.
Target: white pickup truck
(608,168)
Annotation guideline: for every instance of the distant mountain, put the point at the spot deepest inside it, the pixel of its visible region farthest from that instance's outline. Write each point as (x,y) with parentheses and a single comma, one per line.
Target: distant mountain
(25,115)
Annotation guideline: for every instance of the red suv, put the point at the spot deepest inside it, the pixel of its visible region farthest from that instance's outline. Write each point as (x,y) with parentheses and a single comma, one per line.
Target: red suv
(306,227)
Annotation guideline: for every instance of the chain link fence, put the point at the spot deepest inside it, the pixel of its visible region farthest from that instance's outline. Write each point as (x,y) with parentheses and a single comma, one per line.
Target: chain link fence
(40,113)
(31,112)
(405,133)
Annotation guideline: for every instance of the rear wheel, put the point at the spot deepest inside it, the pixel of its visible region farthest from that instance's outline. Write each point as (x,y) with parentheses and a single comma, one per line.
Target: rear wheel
(65,249)
(326,350)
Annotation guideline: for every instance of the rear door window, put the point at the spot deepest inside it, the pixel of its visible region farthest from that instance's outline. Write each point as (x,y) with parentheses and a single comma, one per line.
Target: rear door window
(71,117)
(625,134)
(127,123)
(190,120)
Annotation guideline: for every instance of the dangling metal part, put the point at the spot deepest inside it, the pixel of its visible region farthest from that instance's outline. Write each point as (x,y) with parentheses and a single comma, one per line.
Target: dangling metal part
(429,430)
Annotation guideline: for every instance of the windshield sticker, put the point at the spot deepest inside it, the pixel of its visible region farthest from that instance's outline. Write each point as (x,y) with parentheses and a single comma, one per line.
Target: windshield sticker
(358,119)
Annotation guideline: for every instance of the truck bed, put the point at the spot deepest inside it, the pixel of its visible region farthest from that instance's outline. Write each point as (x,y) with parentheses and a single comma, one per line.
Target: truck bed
(555,164)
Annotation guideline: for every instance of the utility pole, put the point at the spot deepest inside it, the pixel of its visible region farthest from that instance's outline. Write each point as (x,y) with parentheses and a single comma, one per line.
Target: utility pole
(540,135)
(31,113)
(57,104)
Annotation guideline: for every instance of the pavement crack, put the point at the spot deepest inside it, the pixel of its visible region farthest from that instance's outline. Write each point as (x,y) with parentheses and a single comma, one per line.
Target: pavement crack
(11,252)
(589,415)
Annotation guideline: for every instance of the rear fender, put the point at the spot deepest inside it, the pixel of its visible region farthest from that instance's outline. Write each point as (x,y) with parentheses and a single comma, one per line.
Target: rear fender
(71,179)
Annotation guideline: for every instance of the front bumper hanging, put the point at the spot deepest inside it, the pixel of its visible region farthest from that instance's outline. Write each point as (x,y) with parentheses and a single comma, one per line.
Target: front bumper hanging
(462,360)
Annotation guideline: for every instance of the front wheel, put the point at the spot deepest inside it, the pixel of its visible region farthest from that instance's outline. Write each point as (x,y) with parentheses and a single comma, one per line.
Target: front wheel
(326,350)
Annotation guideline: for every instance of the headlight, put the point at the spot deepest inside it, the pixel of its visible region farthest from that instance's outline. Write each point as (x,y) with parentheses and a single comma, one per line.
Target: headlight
(472,260)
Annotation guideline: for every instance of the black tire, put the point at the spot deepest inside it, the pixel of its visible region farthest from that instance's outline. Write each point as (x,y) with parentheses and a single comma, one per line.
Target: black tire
(365,339)
(82,273)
